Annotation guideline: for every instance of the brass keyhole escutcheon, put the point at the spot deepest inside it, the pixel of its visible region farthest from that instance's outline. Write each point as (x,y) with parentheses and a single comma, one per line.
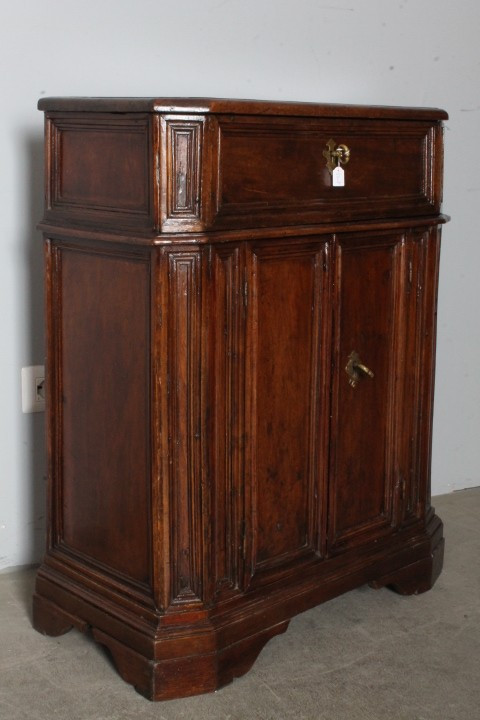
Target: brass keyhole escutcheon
(336,155)
(355,369)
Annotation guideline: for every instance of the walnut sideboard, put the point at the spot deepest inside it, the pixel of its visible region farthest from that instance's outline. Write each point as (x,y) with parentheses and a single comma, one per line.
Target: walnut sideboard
(240,312)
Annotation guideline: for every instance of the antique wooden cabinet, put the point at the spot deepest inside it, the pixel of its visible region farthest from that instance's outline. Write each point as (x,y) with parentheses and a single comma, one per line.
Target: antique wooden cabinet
(240,371)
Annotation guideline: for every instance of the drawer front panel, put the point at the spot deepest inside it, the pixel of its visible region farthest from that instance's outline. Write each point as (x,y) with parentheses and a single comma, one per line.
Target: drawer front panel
(273,171)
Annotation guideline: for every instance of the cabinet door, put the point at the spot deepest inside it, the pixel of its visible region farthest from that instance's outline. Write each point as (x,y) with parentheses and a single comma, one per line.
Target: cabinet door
(370,321)
(286,395)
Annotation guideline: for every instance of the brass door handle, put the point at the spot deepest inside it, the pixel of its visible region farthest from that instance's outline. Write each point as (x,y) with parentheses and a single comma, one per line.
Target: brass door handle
(355,369)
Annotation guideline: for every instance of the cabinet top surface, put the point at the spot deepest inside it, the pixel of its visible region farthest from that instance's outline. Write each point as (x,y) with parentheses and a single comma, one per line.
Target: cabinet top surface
(237,107)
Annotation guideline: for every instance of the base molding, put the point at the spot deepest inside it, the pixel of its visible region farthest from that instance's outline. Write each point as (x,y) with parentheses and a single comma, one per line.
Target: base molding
(165,662)
(186,676)
(50,619)
(416,578)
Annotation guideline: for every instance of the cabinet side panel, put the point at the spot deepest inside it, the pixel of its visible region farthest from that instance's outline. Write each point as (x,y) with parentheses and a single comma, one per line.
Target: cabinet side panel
(104,355)
(99,172)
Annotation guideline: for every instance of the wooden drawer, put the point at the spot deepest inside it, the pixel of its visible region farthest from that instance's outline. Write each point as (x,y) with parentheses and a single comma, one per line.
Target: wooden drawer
(273,171)
(162,167)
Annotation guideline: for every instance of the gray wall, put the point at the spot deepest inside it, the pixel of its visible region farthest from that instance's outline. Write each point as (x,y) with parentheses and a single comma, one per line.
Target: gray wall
(422,52)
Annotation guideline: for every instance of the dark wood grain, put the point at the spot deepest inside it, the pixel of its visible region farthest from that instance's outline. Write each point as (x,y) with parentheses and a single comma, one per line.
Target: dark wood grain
(211,472)
(272,171)
(104,408)
(283,377)
(194,172)
(228,415)
(222,106)
(364,428)
(88,160)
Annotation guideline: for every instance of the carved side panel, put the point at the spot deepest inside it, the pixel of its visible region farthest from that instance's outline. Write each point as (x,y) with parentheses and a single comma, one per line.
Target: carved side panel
(285,428)
(98,318)
(99,170)
(183,469)
(229,408)
(181,172)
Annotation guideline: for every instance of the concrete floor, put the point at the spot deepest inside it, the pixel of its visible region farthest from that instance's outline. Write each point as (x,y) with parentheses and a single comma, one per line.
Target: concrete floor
(368,655)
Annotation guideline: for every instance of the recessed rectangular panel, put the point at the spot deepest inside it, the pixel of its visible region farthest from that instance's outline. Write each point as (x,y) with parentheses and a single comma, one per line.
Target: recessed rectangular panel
(100,170)
(274,171)
(103,169)
(183,146)
(284,366)
(184,393)
(361,486)
(105,325)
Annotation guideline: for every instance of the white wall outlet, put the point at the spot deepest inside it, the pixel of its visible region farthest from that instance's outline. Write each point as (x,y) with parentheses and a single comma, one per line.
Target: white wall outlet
(33,389)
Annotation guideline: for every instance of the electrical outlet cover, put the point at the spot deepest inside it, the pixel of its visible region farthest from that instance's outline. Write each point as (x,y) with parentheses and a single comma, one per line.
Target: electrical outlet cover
(31,378)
